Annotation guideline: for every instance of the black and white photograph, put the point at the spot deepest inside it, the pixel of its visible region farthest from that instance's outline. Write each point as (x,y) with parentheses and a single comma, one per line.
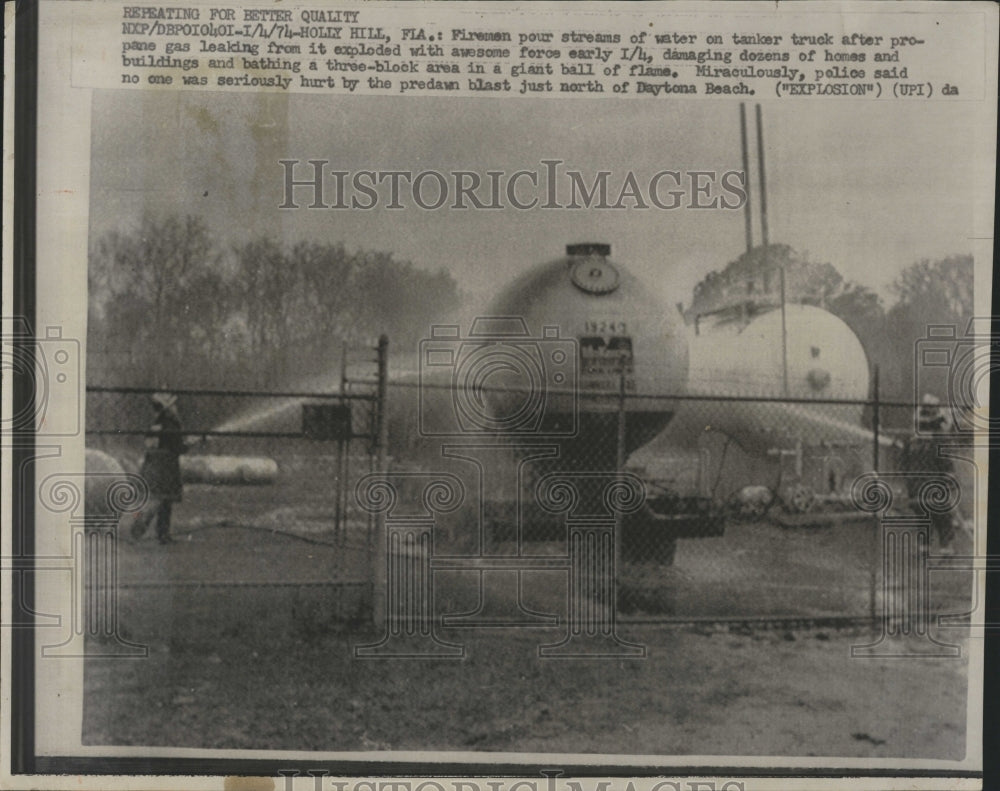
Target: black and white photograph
(622,410)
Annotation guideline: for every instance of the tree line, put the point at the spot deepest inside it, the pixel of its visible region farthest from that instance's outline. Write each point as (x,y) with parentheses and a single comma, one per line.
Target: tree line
(925,293)
(170,307)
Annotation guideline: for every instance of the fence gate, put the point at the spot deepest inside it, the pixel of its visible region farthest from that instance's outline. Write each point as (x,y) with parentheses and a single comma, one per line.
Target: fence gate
(267,521)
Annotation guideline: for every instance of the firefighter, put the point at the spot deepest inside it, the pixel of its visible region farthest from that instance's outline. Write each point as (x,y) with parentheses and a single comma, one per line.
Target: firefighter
(161,466)
(920,454)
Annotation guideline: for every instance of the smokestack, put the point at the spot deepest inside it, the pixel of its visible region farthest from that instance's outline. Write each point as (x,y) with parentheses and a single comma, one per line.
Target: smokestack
(763,179)
(763,228)
(747,210)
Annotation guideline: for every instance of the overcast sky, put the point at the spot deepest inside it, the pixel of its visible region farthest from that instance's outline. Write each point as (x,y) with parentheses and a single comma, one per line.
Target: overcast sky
(868,186)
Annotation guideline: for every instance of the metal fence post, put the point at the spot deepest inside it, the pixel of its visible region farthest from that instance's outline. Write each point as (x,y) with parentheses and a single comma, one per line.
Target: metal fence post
(876,532)
(875,421)
(343,448)
(620,446)
(378,563)
(619,468)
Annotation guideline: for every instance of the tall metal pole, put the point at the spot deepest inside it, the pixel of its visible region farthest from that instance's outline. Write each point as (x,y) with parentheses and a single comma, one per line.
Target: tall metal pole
(763,179)
(380,545)
(747,210)
(766,242)
(784,337)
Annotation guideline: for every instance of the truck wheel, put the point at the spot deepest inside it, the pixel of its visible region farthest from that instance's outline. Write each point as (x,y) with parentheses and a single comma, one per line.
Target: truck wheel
(799,499)
(665,548)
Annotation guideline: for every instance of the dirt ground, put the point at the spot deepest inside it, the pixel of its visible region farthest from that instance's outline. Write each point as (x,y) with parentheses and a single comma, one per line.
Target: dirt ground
(273,667)
(766,693)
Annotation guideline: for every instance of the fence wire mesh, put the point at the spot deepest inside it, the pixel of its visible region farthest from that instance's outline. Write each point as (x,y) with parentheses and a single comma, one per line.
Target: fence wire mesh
(750,507)
(667,509)
(266,503)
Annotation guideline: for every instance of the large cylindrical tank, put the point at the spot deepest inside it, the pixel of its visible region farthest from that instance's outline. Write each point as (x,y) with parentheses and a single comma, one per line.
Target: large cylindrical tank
(229,470)
(578,324)
(825,357)
(825,361)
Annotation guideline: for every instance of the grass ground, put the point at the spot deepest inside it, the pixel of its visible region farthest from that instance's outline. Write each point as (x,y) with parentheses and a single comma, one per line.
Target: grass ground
(272,667)
(709,692)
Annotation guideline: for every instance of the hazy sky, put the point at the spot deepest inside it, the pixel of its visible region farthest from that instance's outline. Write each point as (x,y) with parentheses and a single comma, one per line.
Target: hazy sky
(868,186)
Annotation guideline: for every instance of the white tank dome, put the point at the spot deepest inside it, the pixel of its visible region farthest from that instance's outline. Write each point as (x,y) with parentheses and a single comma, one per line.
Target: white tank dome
(825,358)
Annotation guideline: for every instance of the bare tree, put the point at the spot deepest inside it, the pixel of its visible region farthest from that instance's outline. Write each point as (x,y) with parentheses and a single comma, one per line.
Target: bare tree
(178,312)
(143,287)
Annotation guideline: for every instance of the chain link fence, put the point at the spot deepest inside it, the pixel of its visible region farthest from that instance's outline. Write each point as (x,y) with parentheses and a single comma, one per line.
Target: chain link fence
(268,505)
(750,507)
(383,504)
